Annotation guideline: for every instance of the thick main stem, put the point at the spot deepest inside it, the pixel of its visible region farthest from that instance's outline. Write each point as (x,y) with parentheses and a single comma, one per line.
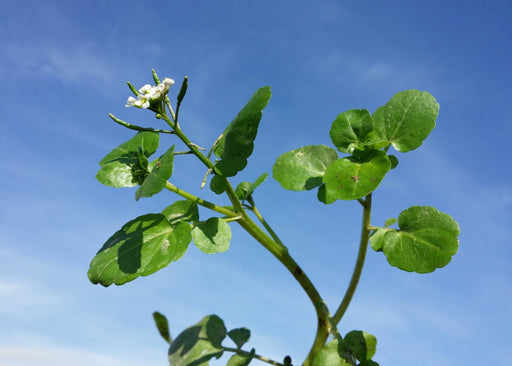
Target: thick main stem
(281,253)
(275,247)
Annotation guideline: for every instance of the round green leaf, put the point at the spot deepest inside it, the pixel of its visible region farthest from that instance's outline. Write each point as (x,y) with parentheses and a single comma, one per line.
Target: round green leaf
(330,354)
(427,240)
(199,343)
(218,184)
(407,119)
(302,169)
(355,176)
(240,336)
(350,129)
(142,247)
(212,236)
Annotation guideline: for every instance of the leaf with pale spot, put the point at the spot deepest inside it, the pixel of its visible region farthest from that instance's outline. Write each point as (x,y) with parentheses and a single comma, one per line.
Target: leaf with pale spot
(302,169)
(142,247)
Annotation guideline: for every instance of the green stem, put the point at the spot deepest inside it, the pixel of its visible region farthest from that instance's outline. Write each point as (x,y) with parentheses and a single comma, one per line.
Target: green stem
(358,268)
(273,246)
(249,354)
(212,206)
(281,253)
(265,224)
(186,141)
(135,127)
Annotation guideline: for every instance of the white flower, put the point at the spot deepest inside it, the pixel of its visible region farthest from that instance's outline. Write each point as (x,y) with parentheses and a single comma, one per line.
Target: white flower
(150,93)
(140,102)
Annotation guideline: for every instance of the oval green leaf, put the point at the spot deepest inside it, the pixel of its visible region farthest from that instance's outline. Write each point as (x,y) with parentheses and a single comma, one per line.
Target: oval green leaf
(245,189)
(303,168)
(163,326)
(362,345)
(212,236)
(142,247)
(407,119)
(156,179)
(218,184)
(196,345)
(427,240)
(183,210)
(118,165)
(237,141)
(355,176)
(241,360)
(350,130)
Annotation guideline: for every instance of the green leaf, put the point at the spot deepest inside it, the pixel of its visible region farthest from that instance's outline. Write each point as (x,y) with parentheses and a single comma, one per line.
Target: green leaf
(390,221)
(427,240)
(118,166)
(196,345)
(240,360)
(350,130)
(302,169)
(240,336)
(163,326)
(323,197)
(212,236)
(245,189)
(368,363)
(218,184)
(330,354)
(355,176)
(184,210)
(160,173)
(407,119)
(362,345)
(237,141)
(142,247)
(393,160)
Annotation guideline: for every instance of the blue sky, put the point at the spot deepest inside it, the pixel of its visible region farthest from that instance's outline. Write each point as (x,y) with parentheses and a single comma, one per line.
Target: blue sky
(63,68)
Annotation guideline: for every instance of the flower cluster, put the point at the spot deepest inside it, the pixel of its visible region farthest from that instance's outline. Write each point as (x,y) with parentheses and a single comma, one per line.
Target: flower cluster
(150,93)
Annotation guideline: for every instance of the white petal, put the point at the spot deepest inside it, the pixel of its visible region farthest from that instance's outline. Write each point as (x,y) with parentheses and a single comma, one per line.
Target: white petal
(168,82)
(131,102)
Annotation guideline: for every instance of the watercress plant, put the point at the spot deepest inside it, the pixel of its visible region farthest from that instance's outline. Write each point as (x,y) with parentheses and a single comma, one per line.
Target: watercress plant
(424,240)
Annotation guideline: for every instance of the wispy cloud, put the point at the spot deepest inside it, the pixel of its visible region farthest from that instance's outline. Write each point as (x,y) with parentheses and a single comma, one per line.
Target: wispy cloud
(51,355)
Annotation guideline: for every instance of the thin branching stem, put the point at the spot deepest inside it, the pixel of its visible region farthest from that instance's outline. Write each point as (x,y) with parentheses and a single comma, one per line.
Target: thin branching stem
(189,196)
(255,355)
(137,128)
(358,268)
